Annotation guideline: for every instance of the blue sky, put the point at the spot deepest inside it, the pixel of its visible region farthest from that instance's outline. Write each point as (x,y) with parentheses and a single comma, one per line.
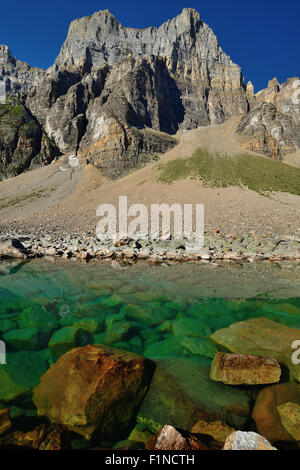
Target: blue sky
(262,36)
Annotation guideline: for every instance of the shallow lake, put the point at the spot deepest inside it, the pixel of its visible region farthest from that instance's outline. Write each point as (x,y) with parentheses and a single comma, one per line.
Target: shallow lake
(49,307)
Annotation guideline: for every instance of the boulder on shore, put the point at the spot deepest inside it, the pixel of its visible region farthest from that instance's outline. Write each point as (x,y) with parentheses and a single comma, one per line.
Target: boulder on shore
(94,388)
(238,369)
(12,248)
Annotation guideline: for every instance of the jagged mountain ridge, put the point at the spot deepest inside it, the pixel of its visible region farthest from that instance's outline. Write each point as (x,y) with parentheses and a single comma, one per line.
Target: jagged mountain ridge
(109,81)
(204,74)
(116,95)
(273,124)
(18,76)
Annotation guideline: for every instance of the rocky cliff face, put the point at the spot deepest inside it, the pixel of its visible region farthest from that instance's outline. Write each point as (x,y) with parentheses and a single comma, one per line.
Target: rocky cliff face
(116,95)
(273,124)
(114,92)
(23,144)
(17,76)
(211,86)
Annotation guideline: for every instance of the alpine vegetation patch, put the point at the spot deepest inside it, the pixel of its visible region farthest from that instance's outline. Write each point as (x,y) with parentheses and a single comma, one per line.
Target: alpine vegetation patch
(159,223)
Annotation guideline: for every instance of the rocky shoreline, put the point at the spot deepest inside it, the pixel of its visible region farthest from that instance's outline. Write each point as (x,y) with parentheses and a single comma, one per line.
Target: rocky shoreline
(217,247)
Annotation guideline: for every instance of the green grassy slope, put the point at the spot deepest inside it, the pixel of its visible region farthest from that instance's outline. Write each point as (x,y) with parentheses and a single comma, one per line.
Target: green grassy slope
(256,173)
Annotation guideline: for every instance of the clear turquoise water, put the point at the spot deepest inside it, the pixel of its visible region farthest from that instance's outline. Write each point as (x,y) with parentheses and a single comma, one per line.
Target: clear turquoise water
(47,308)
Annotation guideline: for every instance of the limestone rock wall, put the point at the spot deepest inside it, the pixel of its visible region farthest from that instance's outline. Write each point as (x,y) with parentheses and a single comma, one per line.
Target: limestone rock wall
(18,76)
(273,124)
(109,82)
(116,95)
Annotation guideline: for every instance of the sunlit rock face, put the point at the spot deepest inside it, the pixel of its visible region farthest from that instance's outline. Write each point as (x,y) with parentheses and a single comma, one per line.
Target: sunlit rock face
(18,76)
(116,95)
(109,82)
(211,85)
(273,125)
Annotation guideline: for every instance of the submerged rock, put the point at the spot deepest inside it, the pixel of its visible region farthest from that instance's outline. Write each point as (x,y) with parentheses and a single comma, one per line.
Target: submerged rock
(37,316)
(247,441)
(117,331)
(7,325)
(216,429)
(138,434)
(94,388)
(262,337)
(168,347)
(150,313)
(238,369)
(181,394)
(169,438)
(22,412)
(26,339)
(67,338)
(20,375)
(5,421)
(90,325)
(44,437)
(199,346)
(290,418)
(266,414)
(191,327)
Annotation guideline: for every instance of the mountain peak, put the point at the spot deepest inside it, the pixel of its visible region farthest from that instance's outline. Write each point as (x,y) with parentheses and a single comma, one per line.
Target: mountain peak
(5,52)
(100,39)
(190,11)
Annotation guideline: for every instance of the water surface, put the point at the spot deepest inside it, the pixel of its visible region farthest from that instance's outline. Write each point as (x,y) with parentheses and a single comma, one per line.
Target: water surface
(47,308)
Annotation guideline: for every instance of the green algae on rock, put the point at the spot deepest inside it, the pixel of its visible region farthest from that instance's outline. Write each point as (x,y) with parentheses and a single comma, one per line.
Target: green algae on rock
(5,421)
(7,325)
(67,338)
(151,313)
(191,327)
(199,346)
(27,339)
(20,375)
(37,316)
(168,347)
